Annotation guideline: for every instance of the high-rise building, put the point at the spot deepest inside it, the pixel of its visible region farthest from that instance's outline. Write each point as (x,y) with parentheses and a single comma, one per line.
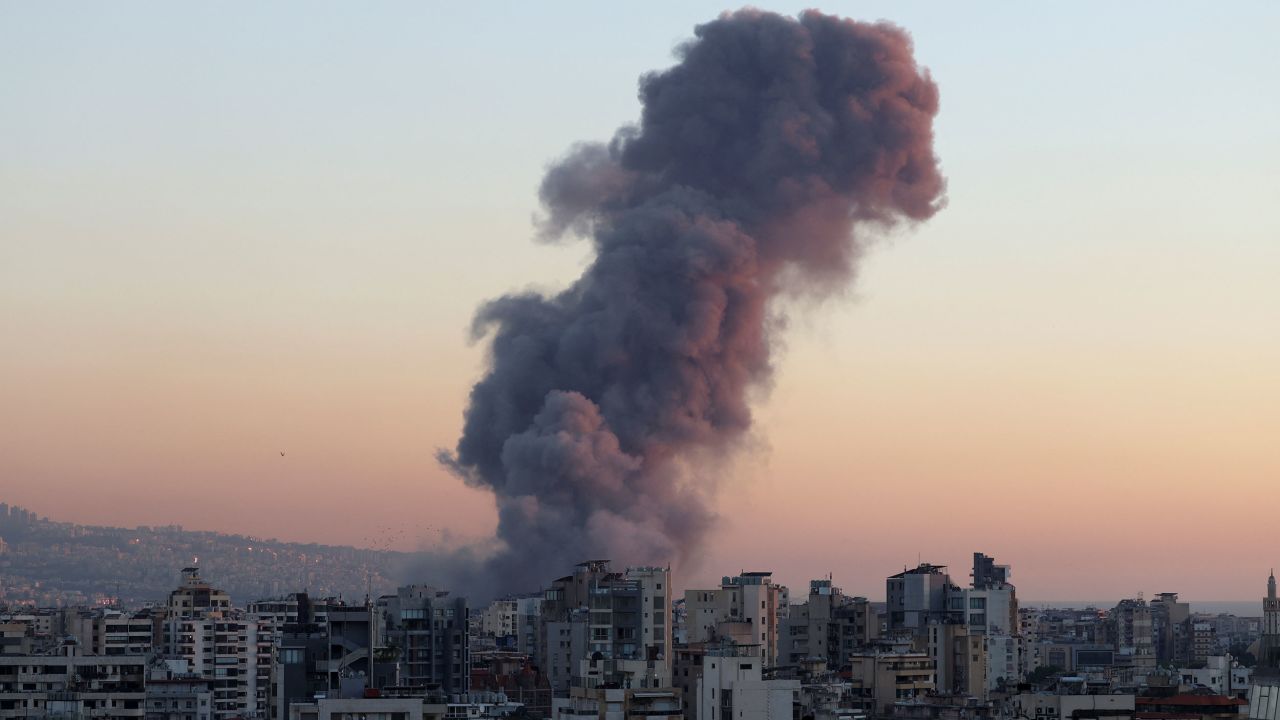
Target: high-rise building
(627,622)
(959,657)
(746,610)
(1170,626)
(429,630)
(326,649)
(828,626)
(921,594)
(221,644)
(986,573)
(1130,626)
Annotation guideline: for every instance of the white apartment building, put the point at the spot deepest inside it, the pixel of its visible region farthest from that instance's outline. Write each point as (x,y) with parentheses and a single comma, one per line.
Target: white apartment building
(732,688)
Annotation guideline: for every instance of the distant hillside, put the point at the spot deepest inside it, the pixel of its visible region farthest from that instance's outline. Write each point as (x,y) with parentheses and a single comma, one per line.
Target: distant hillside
(57,563)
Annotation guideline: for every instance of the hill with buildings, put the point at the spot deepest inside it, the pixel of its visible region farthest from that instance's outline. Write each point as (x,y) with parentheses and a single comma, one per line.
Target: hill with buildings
(49,563)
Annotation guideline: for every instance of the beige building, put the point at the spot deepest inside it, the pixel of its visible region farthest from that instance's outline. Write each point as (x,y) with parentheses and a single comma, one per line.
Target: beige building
(747,610)
(960,659)
(886,678)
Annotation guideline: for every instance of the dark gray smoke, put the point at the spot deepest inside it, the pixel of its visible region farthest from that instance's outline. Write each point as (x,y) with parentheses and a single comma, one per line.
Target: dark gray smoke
(755,159)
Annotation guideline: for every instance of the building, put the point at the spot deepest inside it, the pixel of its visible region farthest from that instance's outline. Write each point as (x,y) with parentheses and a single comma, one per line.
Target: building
(610,703)
(1264,691)
(512,623)
(920,595)
(514,676)
(71,684)
(987,574)
(959,657)
(1131,630)
(731,686)
(1203,642)
(623,618)
(380,708)
(828,625)
(15,638)
(300,669)
(1219,675)
(428,630)
(178,698)
(885,678)
(1203,707)
(221,644)
(1269,643)
(1170,620)
(196,598)
(1052,706)
(746,609)
(563,630)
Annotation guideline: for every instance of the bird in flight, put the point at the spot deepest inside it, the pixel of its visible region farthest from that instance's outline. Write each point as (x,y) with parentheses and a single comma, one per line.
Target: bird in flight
(281,453)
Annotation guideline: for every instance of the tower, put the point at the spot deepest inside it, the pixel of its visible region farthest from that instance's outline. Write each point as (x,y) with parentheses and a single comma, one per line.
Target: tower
(1269,645)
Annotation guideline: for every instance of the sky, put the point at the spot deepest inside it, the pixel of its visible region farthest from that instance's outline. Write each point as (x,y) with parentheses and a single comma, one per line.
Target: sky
(229,232)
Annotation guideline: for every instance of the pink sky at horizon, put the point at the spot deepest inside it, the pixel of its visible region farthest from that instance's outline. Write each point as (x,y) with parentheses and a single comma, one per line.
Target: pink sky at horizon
(245,249)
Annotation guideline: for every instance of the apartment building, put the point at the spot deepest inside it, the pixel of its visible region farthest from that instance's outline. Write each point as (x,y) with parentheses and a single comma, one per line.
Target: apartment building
(747,609)
(429,630)
(828,625)
(626,616)
(731,686)
(888,677)
(71,684)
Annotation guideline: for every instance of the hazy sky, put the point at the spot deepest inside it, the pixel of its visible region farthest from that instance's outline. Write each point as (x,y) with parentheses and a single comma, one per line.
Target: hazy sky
(232,230)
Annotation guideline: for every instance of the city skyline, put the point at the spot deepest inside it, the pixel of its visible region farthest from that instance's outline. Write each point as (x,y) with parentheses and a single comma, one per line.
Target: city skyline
(238,271)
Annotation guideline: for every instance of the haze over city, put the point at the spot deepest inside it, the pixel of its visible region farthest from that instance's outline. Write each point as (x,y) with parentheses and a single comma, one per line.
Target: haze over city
(239,262)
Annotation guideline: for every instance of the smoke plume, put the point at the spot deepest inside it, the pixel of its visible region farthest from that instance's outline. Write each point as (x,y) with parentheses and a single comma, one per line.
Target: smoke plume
(755,159)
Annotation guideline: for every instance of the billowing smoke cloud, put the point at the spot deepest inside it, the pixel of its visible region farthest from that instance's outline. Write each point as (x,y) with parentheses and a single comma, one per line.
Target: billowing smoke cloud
(754,160)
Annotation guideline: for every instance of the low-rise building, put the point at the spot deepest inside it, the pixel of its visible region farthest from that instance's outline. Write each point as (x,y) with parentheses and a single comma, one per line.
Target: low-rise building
(1053,706)
(611,703)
